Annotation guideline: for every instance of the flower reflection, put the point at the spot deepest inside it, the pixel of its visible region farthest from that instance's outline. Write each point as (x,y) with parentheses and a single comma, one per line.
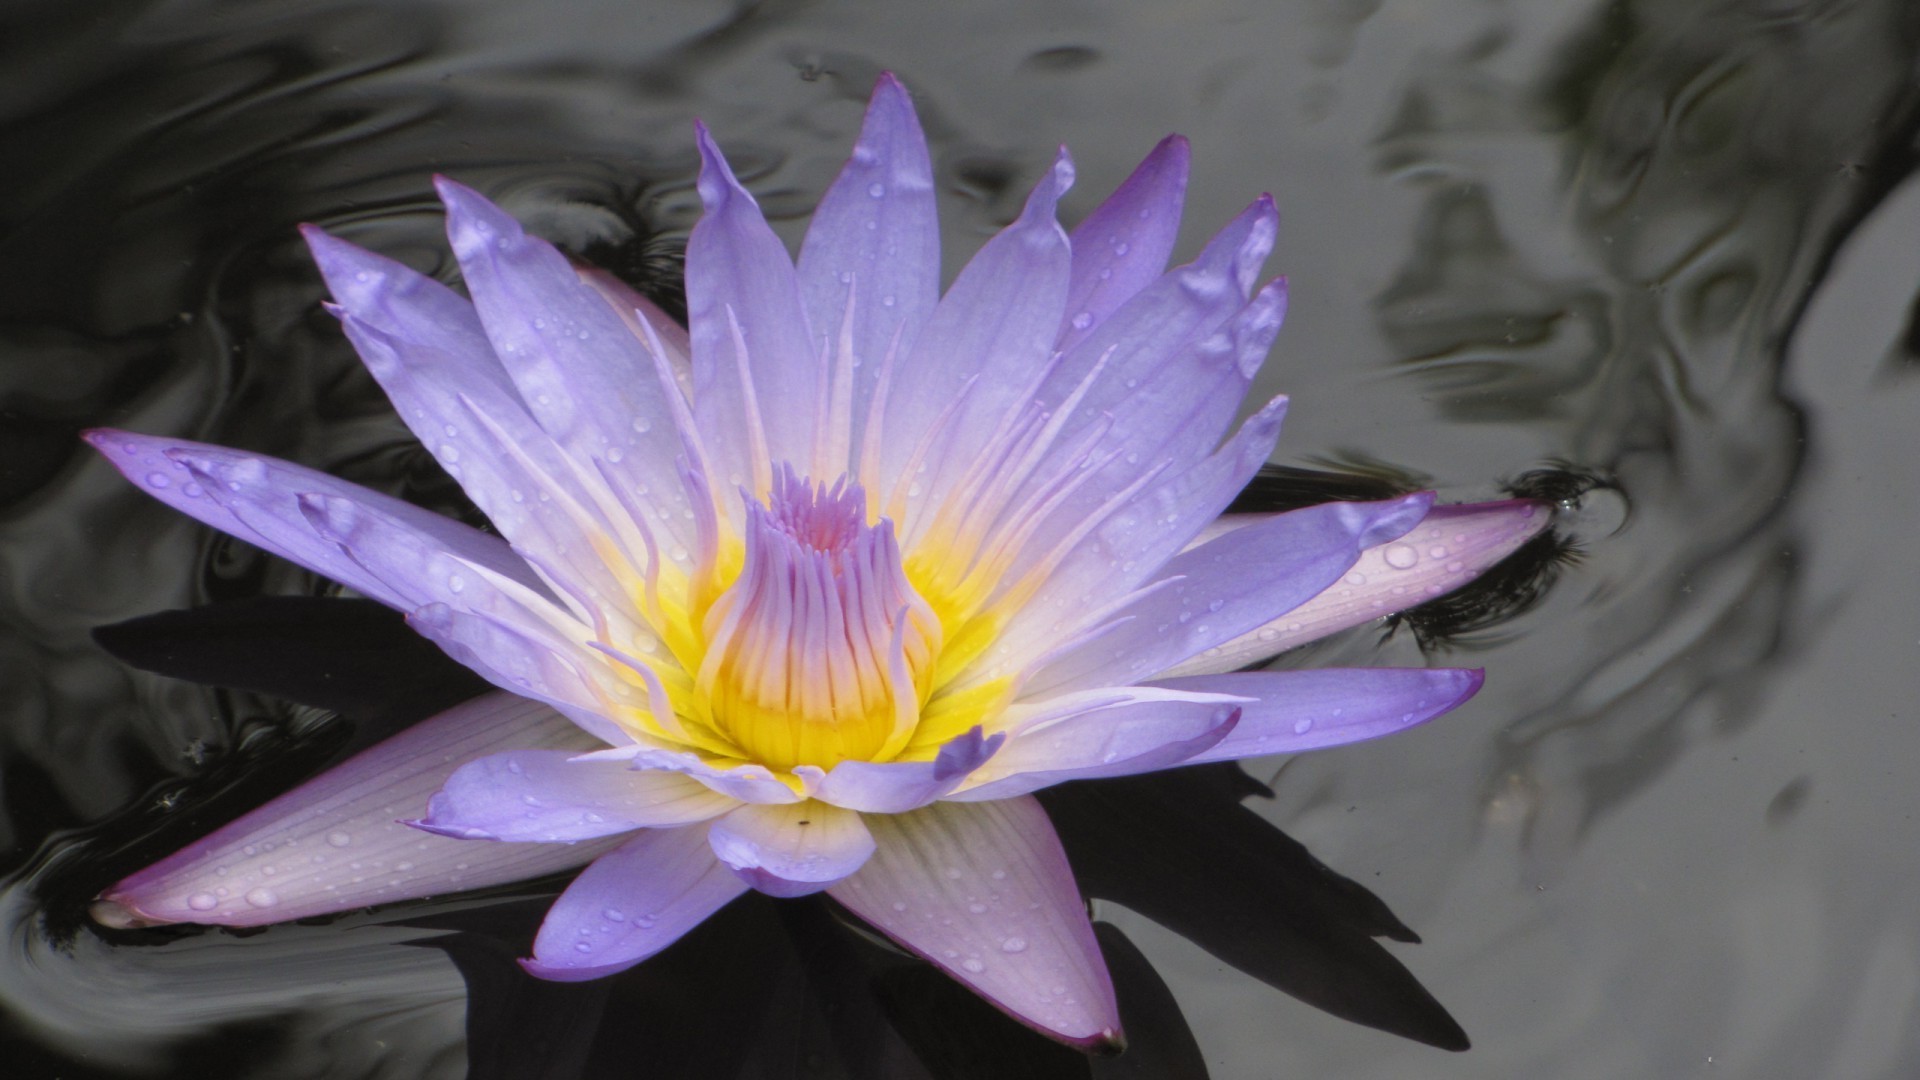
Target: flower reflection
(814,596)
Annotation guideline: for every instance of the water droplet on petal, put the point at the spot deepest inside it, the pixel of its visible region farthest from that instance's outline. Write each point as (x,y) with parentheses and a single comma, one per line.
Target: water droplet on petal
(1083,320)
(158,479)
(973,965)
(1302,726)
(876,189)
(263,897)
(202,901)
(1014,945)
(614,915)
(339,839)
(1400,556)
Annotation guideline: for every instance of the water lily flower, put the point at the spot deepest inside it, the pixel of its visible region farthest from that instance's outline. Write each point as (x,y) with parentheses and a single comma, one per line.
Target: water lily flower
(813,595)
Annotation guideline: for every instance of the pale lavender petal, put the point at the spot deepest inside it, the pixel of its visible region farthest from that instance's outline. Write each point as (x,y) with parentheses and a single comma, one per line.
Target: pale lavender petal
(793,849)
(334,843)
(258,500)
(1291,711)
(997,324)
(875,238)
(741,288)
(1153,731)
(983,891)
(426,347)
(1153,335)
(632,902)
(1133,542)
(584,376)
(747,783)
(646,321)
(1222,589)
(555,795)
(1123,245)
(520,659)
(893,787)
(1452,546)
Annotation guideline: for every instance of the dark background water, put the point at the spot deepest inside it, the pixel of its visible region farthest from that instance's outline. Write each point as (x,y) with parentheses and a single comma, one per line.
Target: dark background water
(1672,243)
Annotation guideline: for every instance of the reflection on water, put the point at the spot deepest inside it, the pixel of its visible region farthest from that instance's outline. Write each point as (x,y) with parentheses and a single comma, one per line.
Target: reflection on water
(1587,233)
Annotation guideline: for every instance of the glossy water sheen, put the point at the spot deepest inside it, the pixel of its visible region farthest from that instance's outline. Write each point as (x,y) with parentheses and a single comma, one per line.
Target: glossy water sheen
(1672,242)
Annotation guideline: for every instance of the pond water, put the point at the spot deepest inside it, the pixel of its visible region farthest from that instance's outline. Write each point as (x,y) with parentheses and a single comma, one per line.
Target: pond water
(1658,258)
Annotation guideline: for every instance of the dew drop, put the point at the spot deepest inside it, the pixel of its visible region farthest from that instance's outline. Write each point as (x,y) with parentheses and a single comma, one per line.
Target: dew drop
(1083,320)
(263,897)
(202,901)
(614,454)
(977,909)
(339,839)
(1400,556)
(449,452)
(614,914)
(583,946)
(973,965)
(1356,578)
(455,583)
(876,189)
(193,491)
(1014,945)
(899,905)
(1302,725)
(157,479)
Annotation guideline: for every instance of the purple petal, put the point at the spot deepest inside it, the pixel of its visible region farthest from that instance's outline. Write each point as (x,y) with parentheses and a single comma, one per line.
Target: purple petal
(516,657)
(584,376)
(258,500)
(1230,585)
(793,849)
(996,323)
(1152,731)
(645,319)
(1305,710)
(554,795)
(1120,551)
(893,787)
(1154,334)
(333,844)
(632,902)
(1452,546)
(747,783)
(426,347)
(875,238)
(1123,245)
(983,891)
(741,288)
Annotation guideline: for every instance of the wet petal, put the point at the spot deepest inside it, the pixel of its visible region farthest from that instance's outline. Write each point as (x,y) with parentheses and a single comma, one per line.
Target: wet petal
(334,844)
(1123,245)
(1224,588)
(742,292)
(983,891)
(1451,546)
(555,795)
(258,499)
(747,783)
(632,902)
(994,329)
(1291,711)
(583,375)
(1150,732)
(875,242)
(893,787)
(792,849)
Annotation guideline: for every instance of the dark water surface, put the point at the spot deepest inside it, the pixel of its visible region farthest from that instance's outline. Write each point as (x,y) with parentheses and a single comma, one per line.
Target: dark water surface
(1670,245)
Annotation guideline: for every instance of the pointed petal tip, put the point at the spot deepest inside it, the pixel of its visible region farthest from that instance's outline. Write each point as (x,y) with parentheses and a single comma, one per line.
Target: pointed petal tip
(115,915)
